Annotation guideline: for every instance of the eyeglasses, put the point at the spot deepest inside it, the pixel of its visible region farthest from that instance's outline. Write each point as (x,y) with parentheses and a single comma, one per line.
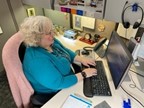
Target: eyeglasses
(52,32)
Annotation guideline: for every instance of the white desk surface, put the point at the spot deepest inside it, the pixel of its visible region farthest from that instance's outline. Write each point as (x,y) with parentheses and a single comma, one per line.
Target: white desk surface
(118,95)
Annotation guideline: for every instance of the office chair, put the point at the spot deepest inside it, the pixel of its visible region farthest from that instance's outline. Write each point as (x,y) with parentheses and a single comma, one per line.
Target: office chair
(22,92)
(20,87)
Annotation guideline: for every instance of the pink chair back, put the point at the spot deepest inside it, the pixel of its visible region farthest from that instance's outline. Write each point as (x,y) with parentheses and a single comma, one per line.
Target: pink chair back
(19,85)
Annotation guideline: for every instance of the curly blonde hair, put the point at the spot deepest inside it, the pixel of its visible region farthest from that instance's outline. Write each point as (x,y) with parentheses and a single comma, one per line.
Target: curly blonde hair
(34,28)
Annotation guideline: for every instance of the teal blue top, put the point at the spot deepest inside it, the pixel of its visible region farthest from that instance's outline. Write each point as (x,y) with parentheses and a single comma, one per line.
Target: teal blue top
(49,72)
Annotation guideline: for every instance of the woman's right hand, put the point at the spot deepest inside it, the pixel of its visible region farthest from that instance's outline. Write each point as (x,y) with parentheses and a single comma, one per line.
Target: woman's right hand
(90,72)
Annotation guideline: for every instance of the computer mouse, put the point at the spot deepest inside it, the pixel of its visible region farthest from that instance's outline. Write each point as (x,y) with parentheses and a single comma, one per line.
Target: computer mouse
(84,52)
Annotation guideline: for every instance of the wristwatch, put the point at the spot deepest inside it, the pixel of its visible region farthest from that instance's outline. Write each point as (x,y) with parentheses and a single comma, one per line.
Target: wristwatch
(83,74)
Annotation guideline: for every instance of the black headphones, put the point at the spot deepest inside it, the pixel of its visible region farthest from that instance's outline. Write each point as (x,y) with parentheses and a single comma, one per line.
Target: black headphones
(134,7)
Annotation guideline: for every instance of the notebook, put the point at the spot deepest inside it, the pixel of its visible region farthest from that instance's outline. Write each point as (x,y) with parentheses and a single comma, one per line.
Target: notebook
(75,101)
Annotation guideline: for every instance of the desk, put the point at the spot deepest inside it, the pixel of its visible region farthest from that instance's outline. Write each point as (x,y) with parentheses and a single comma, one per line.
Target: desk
(115,101)
(72,44)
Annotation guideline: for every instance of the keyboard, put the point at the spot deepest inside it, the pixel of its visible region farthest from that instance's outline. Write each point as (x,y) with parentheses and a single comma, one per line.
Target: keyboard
(96,85)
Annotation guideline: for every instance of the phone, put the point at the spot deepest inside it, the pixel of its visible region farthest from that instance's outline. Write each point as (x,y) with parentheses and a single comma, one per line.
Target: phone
(100,47)
(85,53)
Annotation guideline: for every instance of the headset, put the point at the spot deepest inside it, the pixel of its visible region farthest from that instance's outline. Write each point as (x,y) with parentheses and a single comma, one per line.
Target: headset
(134,7)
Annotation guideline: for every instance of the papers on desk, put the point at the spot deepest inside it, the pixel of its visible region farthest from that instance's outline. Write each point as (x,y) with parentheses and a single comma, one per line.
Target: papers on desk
(74,101)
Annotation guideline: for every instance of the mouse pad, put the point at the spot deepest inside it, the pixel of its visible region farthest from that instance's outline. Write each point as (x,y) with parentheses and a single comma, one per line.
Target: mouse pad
(103,104)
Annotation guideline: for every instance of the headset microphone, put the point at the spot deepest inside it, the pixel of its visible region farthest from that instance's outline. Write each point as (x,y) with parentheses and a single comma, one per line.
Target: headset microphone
(125,4)
(134,7)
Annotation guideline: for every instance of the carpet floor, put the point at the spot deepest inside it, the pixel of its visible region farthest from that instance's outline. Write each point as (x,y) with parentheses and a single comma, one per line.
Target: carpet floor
(6,99)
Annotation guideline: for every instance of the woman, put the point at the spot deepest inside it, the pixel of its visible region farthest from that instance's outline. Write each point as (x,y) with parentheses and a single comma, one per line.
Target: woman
(47,63)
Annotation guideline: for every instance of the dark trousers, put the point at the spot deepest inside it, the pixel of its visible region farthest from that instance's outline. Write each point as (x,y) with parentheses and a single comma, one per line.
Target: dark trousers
(39,99)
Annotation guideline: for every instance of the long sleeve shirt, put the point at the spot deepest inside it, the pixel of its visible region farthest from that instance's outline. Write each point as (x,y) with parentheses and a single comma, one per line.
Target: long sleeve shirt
(49,72)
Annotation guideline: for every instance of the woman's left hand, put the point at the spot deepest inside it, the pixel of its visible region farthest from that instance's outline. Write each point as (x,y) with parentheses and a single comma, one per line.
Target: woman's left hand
(87,61)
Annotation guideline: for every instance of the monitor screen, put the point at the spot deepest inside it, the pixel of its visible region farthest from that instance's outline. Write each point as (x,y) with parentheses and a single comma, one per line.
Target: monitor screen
(119,59)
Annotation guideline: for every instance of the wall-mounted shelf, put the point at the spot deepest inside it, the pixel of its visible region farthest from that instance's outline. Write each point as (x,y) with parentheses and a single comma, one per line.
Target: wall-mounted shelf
(83,9)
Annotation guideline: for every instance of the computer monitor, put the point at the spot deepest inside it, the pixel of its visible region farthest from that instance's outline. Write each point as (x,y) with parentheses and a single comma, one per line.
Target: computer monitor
(118,58)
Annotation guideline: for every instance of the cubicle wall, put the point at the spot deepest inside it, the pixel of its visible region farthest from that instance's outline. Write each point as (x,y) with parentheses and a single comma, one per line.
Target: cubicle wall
(114,10)
(58,18)
(11,14)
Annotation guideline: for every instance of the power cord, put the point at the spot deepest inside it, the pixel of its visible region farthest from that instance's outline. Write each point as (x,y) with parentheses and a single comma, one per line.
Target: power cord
(137,73)
(126,33)
(133,86)
(132,97)
(126,36)
(97,58)
(87,48)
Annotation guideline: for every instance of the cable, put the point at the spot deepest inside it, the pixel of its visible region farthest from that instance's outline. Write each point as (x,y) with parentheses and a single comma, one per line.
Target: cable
(126,36)
(87,48)
(97,58)
(134,84)
(137,73)
(132,97)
